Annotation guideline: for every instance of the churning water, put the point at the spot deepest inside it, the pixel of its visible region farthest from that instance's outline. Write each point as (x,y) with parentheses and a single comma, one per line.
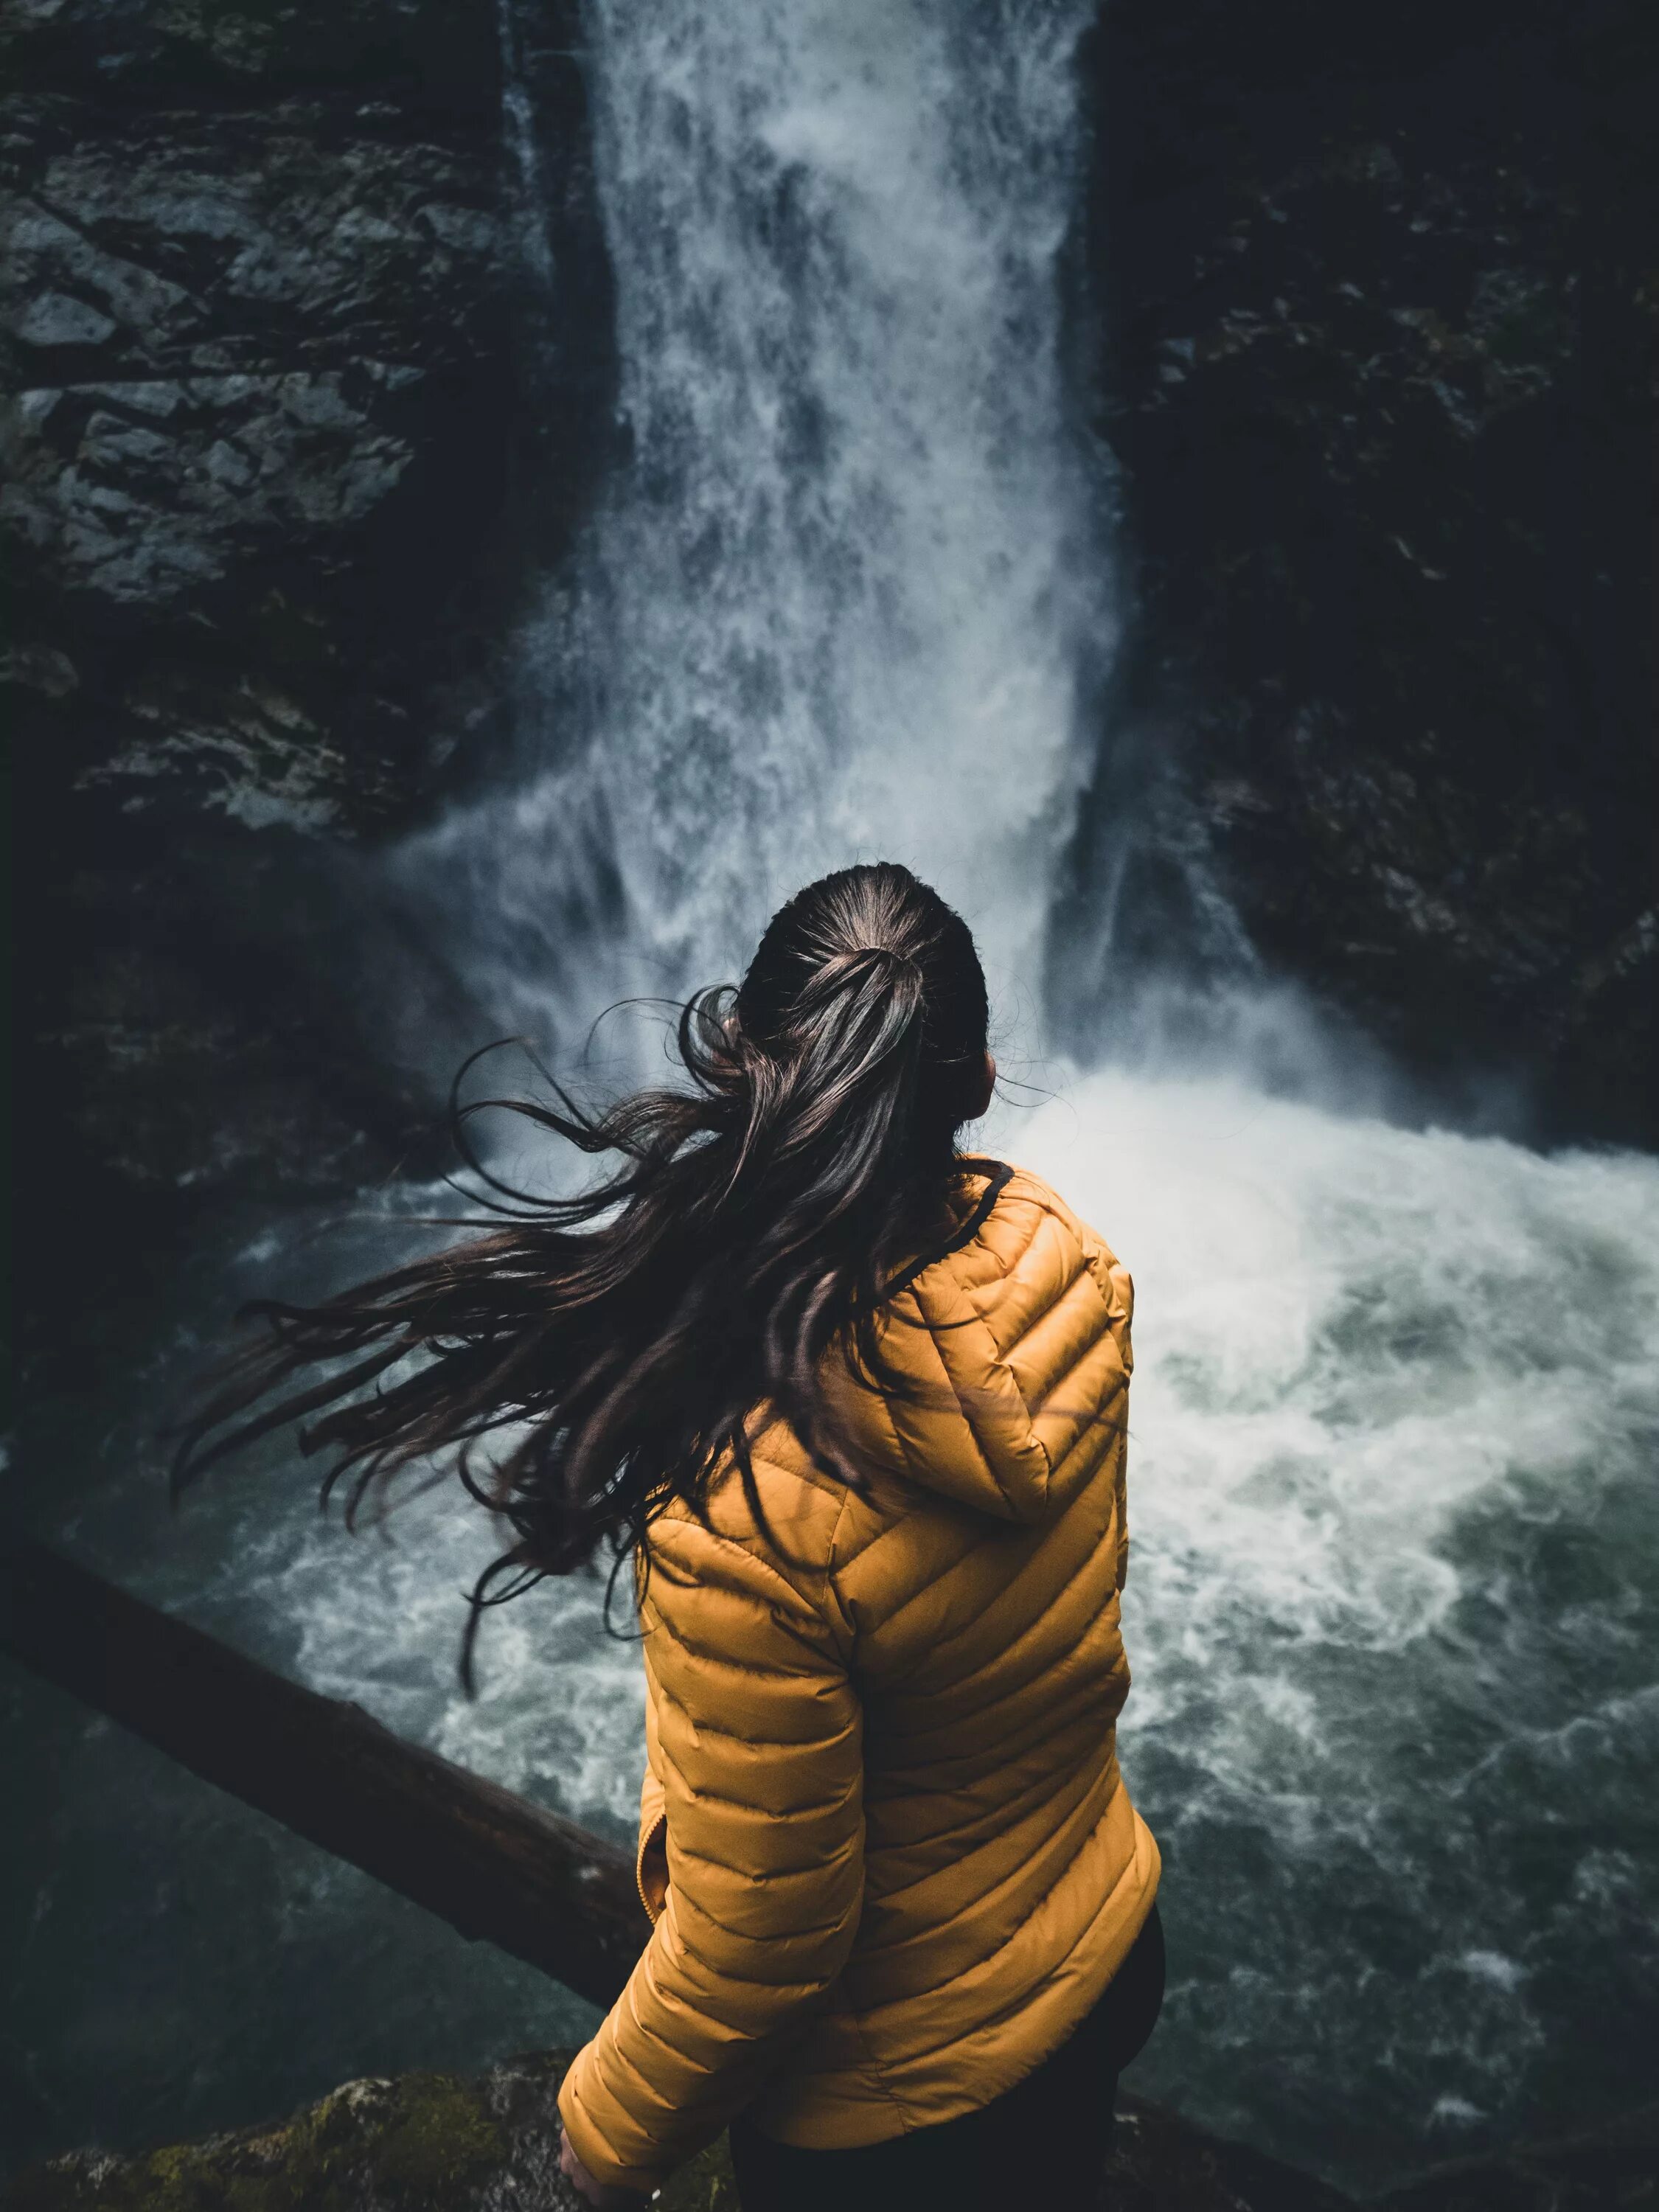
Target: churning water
(1395,1593)
(1394,1608)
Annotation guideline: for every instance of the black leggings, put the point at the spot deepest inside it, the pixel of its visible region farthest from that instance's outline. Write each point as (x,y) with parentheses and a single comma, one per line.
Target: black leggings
(1041,2143)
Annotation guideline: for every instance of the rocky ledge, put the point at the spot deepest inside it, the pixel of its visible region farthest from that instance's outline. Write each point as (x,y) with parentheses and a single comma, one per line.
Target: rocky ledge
(442,2143)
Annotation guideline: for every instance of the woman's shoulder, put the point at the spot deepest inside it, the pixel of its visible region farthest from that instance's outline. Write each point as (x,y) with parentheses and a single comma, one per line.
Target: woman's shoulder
(1024,1208)
(797,1524)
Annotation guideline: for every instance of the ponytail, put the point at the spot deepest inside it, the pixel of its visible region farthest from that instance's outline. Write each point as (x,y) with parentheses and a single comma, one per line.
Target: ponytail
(631,1333)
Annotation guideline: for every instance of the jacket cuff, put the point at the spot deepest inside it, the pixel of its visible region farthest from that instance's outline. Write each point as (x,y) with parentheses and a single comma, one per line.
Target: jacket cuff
(591,2147)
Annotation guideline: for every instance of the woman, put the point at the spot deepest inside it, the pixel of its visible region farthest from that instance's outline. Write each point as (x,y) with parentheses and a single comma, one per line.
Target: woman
(852,1404)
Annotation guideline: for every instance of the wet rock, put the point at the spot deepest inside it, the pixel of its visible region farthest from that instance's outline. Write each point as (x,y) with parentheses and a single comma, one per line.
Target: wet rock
(286,431)
(1374,323)
(262,357)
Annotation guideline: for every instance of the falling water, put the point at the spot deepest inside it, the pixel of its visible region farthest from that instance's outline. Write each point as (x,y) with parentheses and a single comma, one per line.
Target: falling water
(842,601)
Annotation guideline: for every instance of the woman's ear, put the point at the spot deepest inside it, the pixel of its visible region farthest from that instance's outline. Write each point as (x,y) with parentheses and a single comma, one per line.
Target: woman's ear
(981,1101)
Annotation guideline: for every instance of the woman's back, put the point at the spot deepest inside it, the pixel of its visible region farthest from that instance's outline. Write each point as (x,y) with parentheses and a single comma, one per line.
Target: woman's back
(883,1815)
(855,1405)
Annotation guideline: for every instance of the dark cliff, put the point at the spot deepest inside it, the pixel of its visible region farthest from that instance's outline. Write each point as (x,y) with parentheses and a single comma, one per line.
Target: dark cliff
(282,443)
(1370,298)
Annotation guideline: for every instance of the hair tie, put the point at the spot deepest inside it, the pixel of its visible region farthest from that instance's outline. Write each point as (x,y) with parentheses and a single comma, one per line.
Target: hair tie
(887,953)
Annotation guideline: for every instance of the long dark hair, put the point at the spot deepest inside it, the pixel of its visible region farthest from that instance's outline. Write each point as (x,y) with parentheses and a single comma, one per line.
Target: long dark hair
(756,1220)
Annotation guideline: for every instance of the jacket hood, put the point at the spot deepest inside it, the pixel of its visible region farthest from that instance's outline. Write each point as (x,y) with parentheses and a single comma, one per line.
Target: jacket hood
(1010,1344)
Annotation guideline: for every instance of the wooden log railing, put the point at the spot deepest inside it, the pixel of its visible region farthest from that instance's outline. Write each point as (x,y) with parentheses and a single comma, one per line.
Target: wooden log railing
(496,1868)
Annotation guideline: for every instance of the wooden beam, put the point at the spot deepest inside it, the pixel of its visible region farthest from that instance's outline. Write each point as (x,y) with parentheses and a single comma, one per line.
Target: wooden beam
(497,1868)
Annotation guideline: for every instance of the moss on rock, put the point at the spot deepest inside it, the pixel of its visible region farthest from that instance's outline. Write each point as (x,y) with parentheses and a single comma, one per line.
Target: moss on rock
(418,2143)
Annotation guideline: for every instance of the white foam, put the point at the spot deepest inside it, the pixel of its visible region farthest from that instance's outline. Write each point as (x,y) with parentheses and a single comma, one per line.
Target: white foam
(1348,1333)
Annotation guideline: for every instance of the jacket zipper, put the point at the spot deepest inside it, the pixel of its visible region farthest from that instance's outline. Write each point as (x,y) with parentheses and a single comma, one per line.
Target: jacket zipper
(659,1827)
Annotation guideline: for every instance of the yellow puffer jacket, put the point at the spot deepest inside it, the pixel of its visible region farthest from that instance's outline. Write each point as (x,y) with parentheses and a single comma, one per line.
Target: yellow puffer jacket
(883,1838)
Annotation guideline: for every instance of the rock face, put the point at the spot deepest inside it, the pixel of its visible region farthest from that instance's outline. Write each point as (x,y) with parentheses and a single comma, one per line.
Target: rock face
(1374,309)
(280,444)
(441,2142)
(261,271)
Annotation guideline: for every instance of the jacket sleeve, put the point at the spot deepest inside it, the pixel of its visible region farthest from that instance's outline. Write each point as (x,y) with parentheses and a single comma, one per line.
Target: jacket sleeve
(757,1741)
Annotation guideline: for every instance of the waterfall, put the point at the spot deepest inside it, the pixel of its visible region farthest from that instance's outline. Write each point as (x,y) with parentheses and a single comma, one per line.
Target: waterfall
(840,602)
